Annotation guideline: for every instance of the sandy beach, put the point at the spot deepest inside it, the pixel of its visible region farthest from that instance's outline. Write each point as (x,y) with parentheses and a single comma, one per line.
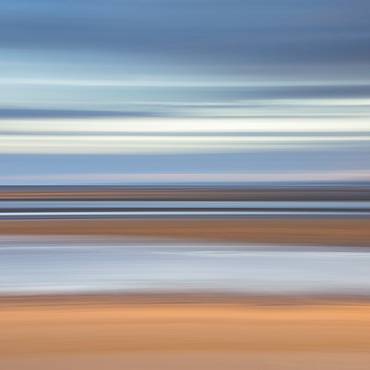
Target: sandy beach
(297,231)
(203,335)
(197,333)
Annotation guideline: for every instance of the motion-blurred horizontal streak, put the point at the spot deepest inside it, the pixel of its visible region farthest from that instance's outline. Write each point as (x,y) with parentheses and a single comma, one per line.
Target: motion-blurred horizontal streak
(181,213)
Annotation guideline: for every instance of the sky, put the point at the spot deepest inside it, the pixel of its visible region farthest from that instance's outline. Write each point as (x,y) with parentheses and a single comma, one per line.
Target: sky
(148,91)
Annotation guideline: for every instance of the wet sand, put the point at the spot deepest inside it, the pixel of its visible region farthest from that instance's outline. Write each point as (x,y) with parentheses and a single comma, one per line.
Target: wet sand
(181,336)
(296,231)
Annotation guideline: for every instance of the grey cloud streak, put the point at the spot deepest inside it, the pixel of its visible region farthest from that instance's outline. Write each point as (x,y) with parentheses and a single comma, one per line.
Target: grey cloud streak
(283,161)
(329,100)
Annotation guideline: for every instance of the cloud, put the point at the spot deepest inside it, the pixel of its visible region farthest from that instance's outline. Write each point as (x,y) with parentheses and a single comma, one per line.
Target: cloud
(72,66)
(216,32)
(297,160)
(16,113)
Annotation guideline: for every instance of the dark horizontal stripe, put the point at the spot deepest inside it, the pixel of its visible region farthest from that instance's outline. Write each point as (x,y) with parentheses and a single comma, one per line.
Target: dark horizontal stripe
(189,215)
(184,210)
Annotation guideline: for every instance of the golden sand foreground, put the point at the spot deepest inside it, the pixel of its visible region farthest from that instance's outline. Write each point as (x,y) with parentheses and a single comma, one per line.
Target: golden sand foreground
(202,334)
(297,231)
(181,336)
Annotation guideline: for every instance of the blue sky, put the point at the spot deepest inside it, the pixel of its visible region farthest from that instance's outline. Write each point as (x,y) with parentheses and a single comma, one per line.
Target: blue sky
(142,90)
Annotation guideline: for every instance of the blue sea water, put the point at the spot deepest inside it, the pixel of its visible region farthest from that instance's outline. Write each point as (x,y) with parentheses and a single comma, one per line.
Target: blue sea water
(69,264)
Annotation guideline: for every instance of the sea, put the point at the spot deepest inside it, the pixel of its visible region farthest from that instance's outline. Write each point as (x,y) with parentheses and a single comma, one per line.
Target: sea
(71,264)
